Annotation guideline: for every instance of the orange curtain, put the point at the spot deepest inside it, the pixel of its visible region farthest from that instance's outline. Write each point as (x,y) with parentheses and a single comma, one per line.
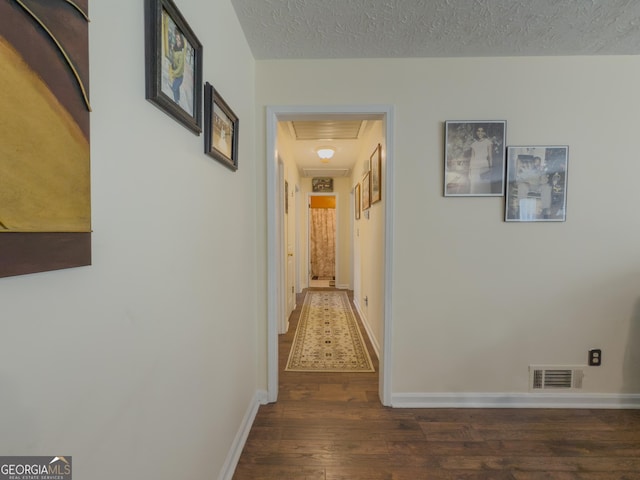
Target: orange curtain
(323,242)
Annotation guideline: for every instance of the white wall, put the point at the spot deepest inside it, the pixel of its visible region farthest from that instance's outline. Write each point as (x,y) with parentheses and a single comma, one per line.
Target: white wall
(296,201)
(344,222)
(369,234)
(477,300)
(144,364)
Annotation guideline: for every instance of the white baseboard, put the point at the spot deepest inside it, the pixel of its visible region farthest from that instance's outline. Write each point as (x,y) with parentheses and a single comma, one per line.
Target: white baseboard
(343,287)
(365,322)
(515,400)
(230,463)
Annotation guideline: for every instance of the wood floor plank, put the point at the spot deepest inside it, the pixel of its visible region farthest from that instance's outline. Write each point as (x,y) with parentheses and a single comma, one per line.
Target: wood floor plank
(331,426)
(457,448)
(279,472)
(408,473)
(595,448)
(576,476)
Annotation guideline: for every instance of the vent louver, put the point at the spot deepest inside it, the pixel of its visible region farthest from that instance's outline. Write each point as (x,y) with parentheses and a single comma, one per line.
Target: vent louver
(555,378)
(326,172)
(327,130)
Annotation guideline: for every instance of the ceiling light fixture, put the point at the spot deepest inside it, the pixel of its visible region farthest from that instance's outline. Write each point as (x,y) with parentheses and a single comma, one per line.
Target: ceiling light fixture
(326,153)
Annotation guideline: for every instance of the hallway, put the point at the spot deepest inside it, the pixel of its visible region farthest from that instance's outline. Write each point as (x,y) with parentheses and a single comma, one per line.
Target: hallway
(316,422)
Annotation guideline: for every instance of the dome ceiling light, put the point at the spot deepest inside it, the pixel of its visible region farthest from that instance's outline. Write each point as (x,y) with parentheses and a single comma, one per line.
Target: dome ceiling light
(325,153)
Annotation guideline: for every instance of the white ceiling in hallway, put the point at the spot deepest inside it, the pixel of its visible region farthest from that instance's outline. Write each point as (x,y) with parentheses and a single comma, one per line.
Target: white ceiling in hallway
(304,137)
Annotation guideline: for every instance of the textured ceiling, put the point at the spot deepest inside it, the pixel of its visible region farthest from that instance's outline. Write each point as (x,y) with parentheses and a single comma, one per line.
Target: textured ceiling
(296,29)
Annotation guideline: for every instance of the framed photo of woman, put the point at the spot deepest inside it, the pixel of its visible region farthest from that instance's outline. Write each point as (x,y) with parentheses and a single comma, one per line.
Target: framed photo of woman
(474,158)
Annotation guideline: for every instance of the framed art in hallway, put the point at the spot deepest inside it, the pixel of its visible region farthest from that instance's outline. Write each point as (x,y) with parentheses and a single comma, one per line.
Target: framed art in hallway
(286,197)
(357,202)
(536,184)
(375,162)
(173,63)
(221,129)
(45,141)
(366,191)
(474,158)
(322,184)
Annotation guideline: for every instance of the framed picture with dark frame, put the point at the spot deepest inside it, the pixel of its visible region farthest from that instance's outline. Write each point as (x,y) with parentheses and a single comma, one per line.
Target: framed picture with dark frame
(286,197)
(322,184)
(536,184)
(376,174)
(357,198)
(173,62)
(366,191)
(474,158)
(221,129)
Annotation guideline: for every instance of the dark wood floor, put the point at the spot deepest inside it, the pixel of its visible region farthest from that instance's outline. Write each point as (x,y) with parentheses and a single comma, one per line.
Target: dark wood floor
(332,427)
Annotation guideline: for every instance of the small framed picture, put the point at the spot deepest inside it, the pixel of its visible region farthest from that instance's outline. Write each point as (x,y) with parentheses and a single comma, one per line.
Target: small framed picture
(286,197)
(221,129)
(474,158)
(375,162)
(366,191)
(536,184)
(173,63)
(322,184)
(357,198)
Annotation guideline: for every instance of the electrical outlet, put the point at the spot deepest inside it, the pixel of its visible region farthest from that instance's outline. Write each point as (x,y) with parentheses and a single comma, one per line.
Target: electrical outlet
(595,357)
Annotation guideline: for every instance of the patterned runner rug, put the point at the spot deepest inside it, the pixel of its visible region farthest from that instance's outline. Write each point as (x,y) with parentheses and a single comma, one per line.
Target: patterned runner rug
(328,338)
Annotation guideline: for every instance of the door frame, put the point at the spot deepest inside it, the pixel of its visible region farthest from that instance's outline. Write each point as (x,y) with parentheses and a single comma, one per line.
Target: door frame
(335,240)
(274,114)
(281,239)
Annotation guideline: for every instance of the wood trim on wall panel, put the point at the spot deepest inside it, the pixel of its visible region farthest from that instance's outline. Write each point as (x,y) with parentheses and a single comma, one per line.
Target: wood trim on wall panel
(23,253)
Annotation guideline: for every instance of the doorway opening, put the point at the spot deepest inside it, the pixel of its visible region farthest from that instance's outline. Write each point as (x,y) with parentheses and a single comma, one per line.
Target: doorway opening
(322,240)
(276,251)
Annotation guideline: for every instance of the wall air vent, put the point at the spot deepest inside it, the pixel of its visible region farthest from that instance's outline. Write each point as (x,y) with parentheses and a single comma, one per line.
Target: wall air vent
(326,172)
(327,130)
(565,378)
